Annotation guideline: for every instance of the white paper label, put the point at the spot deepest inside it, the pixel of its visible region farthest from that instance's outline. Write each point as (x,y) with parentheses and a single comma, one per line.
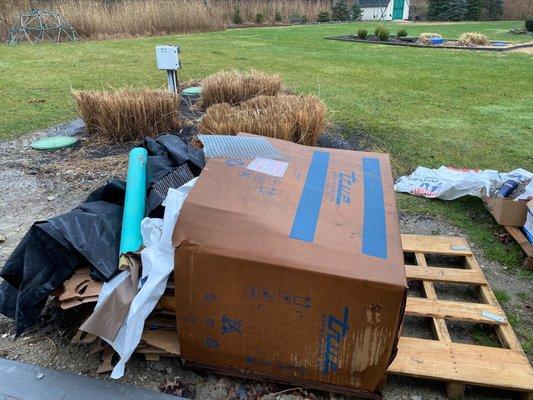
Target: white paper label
(268,166)
(494,317)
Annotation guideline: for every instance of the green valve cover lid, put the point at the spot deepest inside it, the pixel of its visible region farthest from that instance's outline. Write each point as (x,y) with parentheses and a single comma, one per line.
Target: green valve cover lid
(54,143)
(192,91)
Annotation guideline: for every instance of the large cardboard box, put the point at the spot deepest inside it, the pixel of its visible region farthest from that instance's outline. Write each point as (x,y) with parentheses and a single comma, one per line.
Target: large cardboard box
(507,211)
(294,274)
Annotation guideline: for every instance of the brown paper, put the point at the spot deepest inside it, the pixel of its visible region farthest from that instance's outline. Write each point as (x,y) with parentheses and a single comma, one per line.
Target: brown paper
(107,319)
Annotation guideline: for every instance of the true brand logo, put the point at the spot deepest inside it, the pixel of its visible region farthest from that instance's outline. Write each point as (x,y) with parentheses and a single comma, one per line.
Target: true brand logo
(336,331)
(343,187)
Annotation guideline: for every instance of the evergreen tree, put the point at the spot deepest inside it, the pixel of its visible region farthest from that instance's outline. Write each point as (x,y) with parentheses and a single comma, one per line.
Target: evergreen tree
(446,10)
(456,10)
(474,10)
(355,12)
(494,10)
(339,11)
(436,9)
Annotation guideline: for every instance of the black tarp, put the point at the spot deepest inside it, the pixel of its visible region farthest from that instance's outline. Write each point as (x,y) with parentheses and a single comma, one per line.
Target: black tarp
(89,235)
(52,250)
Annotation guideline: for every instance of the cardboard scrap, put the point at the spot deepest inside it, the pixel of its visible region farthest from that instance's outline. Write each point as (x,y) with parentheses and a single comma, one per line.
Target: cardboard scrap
(507,211)
(83,337)
(79,289)
(107,361)
(165,340)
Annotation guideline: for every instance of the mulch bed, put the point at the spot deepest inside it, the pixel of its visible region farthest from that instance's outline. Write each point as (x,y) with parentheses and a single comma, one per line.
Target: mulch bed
(411,42)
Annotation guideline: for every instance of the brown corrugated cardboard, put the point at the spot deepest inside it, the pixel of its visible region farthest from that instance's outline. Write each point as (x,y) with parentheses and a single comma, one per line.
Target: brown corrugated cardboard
(294,273)
(507,211)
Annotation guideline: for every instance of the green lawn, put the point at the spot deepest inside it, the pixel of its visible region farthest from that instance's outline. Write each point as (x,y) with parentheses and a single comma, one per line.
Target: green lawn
(426,106)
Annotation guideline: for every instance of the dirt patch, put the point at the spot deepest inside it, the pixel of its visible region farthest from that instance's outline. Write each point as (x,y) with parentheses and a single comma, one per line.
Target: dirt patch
(343,137)
(37,185)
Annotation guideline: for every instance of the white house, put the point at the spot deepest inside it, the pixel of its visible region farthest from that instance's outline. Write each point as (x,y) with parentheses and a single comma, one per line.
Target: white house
(387,10)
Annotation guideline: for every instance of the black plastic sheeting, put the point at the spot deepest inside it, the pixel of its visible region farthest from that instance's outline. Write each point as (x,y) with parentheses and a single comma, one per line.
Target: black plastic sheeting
(166,154)
(52,250)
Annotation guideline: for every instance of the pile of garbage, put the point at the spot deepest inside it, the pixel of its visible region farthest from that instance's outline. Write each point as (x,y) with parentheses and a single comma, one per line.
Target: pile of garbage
(79,256)
(508,196)
(217,252)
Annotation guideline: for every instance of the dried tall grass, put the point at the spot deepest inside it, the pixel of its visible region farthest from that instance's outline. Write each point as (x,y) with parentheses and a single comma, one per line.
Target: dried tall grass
(425,38)
(250,8)
(234,87)
(473,39)
(126,18)
(128,114)
(517,9)
(298,119)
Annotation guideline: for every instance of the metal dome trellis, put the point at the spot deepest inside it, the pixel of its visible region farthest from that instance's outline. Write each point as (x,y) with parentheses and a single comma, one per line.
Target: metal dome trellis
(41,26)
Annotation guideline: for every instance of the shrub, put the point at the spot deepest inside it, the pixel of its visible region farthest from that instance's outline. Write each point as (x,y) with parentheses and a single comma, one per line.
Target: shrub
(383,34)
(339,11)
(299,119)
(529,25)
(473,39)
(234,87)
(362,33)
(323,16)
(298,19)
(237,17)
(278,17)
(128,114)
(355,12)
(401,33)
(425,38)
(260,18)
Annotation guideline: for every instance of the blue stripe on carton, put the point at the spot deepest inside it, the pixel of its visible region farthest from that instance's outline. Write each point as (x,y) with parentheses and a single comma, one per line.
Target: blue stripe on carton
(374,228)
(306,218)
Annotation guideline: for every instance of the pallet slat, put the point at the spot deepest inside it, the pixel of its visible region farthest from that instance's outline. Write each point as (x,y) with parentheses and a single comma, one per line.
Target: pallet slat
(463,363)
(522,241)
(454,310)
(454,246)
(452,275)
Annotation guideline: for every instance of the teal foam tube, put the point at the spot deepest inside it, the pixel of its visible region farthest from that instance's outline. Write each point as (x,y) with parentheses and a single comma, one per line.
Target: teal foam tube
(134,202)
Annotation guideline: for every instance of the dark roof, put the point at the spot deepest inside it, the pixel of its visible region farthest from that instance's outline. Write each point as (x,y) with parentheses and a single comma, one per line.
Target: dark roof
(374,3)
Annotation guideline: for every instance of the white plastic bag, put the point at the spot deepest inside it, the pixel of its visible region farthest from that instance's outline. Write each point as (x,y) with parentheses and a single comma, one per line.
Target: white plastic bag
(449,183)
(157,264)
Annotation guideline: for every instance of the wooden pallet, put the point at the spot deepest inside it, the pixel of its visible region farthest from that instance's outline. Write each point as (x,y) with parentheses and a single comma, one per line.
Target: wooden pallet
(521,239)
(442,359)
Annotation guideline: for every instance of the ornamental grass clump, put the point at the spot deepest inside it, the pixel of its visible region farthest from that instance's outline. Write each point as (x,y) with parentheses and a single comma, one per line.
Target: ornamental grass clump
(401,33)
(473,39)
(299,119)
(234,87)
(362,34)
(128,114)
(382,33)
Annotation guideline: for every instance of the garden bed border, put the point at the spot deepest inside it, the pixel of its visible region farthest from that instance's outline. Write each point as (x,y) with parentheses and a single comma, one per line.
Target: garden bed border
(351,38)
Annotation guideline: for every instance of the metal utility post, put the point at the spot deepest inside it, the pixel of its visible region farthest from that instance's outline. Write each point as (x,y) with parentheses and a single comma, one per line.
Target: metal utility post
(168,59)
